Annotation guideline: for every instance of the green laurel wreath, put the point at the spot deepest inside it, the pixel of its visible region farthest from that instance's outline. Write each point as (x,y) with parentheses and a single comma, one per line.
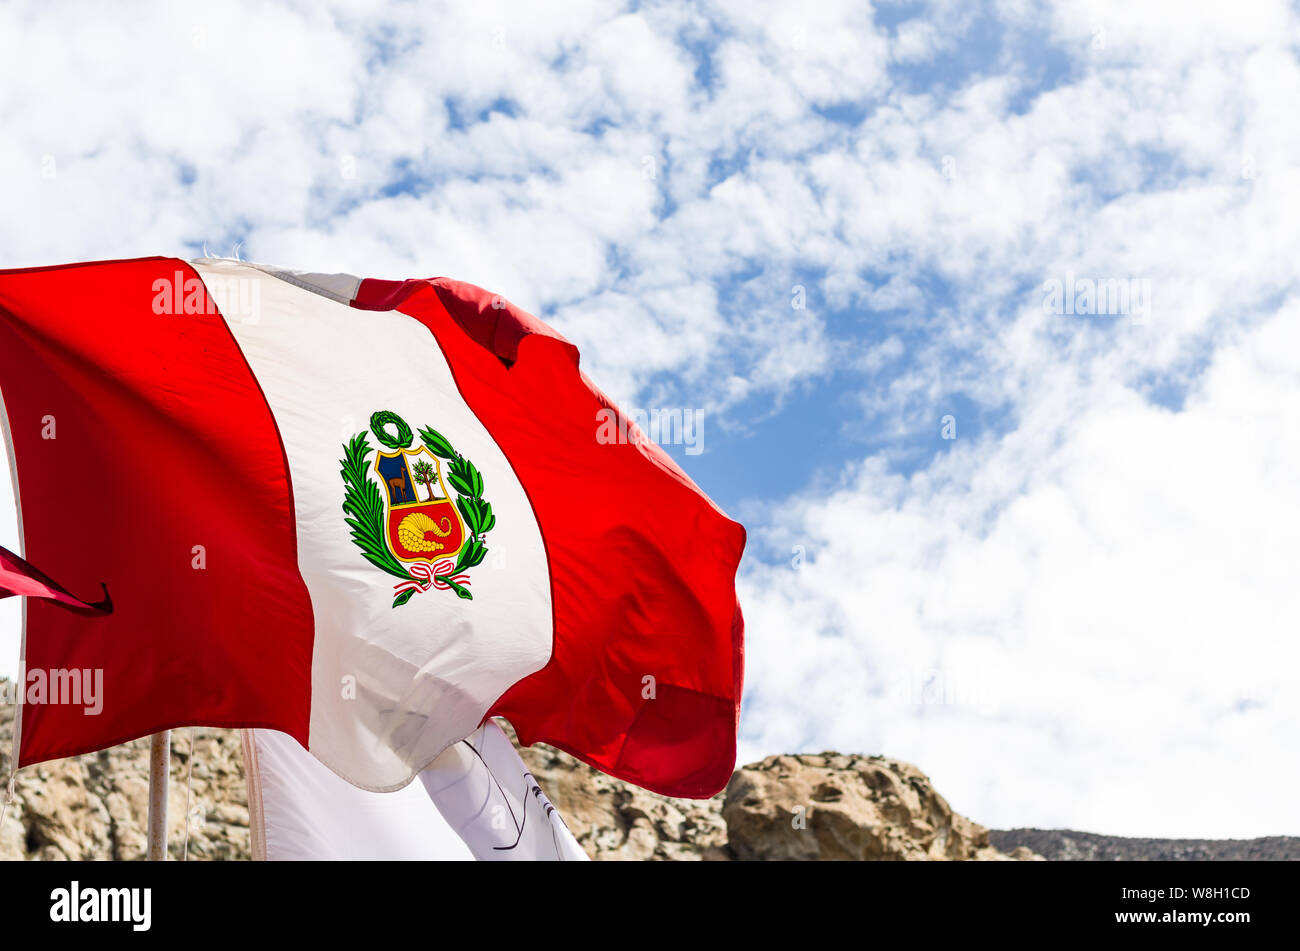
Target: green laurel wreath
(379,423)
(363,503)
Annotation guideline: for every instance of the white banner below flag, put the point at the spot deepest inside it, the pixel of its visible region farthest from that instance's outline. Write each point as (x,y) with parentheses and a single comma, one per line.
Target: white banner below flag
(476,801)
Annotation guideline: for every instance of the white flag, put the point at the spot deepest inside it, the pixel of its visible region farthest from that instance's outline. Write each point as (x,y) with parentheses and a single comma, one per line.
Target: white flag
(476,800)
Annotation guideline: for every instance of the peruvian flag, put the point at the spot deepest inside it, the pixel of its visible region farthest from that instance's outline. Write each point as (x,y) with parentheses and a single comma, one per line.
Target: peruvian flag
(367,514)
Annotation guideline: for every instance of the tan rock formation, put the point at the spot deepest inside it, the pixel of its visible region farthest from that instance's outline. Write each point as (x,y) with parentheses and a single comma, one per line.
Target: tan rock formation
(846,807)
(615,820)
(96,806)
(803,807)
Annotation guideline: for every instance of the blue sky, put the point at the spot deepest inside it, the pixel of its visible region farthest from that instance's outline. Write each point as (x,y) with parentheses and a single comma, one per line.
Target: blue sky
(1067,614)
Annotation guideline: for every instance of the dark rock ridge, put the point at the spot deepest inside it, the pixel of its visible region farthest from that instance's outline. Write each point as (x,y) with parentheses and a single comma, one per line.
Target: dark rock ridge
(1067,845)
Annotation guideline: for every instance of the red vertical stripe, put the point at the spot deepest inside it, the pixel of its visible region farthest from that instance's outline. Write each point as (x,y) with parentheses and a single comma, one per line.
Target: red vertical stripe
(163,443)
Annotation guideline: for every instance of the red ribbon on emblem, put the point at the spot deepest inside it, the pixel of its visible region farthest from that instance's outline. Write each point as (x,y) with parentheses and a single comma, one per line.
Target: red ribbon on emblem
(425,576)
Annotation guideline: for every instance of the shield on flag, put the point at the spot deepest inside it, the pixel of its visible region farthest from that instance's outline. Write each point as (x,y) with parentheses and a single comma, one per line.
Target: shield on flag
(423,524)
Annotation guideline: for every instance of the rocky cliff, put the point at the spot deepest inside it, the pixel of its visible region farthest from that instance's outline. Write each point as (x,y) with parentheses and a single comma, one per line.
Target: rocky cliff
(827,806)
(786,807)
(96,806)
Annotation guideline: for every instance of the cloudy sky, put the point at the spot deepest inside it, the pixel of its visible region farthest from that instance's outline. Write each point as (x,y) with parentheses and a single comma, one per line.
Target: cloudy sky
(990,310)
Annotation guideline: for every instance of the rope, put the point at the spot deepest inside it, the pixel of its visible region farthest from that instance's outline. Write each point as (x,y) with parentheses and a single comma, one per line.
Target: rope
(9,797)
(189,774)
(18,721)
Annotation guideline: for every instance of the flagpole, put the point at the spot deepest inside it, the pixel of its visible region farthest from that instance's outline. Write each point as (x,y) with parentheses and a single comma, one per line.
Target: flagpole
(160,748)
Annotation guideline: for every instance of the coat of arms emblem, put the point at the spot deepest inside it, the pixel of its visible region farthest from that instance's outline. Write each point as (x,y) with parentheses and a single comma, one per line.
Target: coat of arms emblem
(402,516)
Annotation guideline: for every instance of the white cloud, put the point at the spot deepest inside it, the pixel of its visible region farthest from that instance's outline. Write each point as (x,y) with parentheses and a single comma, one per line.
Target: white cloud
(1087,622)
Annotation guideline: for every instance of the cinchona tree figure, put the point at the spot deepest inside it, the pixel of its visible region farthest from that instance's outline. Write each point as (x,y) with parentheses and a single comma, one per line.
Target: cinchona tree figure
(424,474)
